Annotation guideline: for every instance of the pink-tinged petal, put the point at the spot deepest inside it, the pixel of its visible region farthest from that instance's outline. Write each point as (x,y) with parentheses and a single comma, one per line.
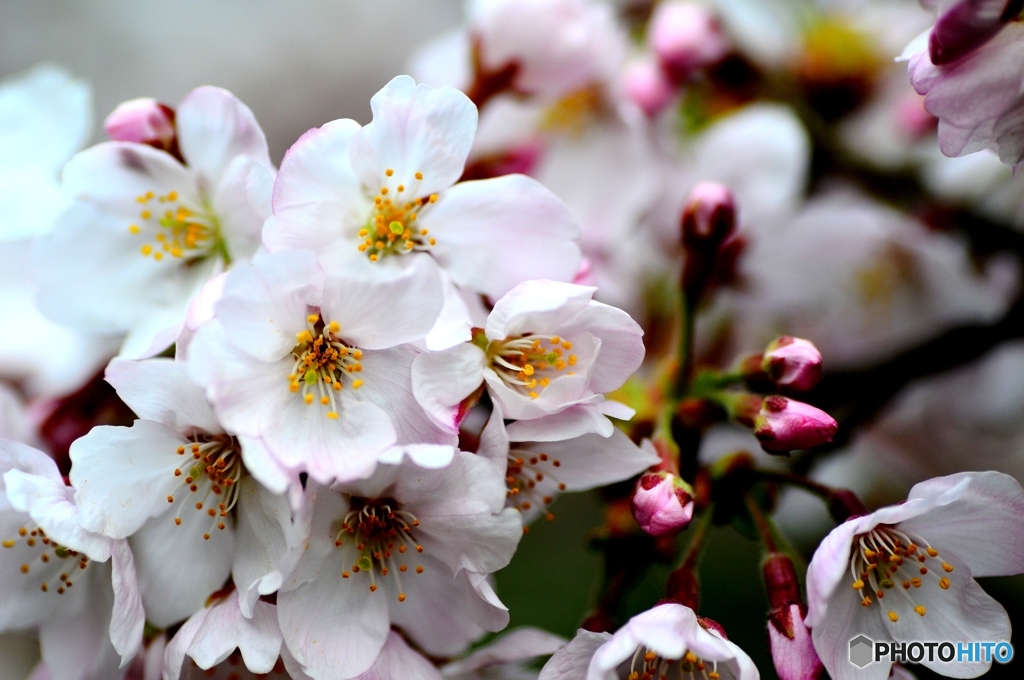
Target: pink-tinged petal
(264,305)
(200,310)
(1008,135)
(158,330)
(176,649)
(535,307)
(477,543)
(415,128)
(572,660)
(317,196)
(133,288)
(160,390)
(112,174)
(494,234)
(224,629)
(442,380)
(615,409)
(269,543)
(494,442)
(965,26)
(574,421)
(794,657)
(377,314)
(962,612)
(242,202)
(519,644)
(830,565)
(398,660)
(51,504)
(444,614)
(622,346)
(591,460)
(177,569)
(387,376)
(845,621)
(455,322)
(127,618)
(124,474)
(662,503)
(431,456)
(267,470)
(17,456)
(213,128)
(333,630)
(982,522)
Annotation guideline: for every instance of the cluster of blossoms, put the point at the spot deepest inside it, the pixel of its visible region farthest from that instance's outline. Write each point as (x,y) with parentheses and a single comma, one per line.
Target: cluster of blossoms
(291,421)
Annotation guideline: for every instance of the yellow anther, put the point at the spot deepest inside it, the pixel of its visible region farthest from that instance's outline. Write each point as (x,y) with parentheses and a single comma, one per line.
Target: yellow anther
(572,359)
(336,386)
(384,191)
(920,609)
(433,198)
(401,188)
(932,552)
(158,256)
(333,415)
(363,232)
(24,569)
(944,583)
(866,602)
(556,339)
(8,544)
(373,258)
(334,326)
(419,175)
(528,369)
(141,199)
(870,554)
(145,214)
(150,195)
(313,318)
(389,172)
(559,365)
(858,584)
(533,395)
(946,567)
(172,196)
(567,345)
(308,398)
(689,656)
(401,597)
(325,400)
(356,384)
(432,241)
(134,228)
(916,582)
(146,249)
(544,382)
(357,354)
(176,252)
(294,387)
(894,617)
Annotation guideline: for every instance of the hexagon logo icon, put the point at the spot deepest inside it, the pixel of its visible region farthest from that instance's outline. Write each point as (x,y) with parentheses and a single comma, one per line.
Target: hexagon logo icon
(861,651)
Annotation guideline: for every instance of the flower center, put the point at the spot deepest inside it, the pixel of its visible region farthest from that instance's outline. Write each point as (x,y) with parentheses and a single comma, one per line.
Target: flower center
(322,362)
(526,473)
(52,569)
(382,536)
(526,365)
(209,467)
(392,228)
(647,665)
(177,230)
(886,557)
(575,112)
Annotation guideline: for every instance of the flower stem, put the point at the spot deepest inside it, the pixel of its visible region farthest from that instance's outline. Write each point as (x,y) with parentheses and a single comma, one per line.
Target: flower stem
(761,522)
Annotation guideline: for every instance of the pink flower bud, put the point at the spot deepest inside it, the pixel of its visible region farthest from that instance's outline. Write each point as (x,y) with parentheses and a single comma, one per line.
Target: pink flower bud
(968,25)
(785,424)
(709,216)
(793,363)
(647,87)
(792,649)
(144,121)
(662,503)
(685,36)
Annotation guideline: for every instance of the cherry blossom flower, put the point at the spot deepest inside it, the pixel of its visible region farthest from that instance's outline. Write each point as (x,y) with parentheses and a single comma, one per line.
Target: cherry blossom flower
(374,199)
(969,71)
(146,229)
(537,472)
(666,637)
(547,354)
(409,547)
(76,586)
(177,486)
(318,368)
(685,36)
(906,572)
(662,503)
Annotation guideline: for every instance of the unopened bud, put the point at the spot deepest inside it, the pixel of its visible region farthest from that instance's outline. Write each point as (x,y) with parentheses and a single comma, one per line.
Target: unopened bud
(143,121)
(786,424)
(968,25)
(793,363)
(844,504)
(709,216)
(647,87)
(685,36)
(791,645)
(662,503)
